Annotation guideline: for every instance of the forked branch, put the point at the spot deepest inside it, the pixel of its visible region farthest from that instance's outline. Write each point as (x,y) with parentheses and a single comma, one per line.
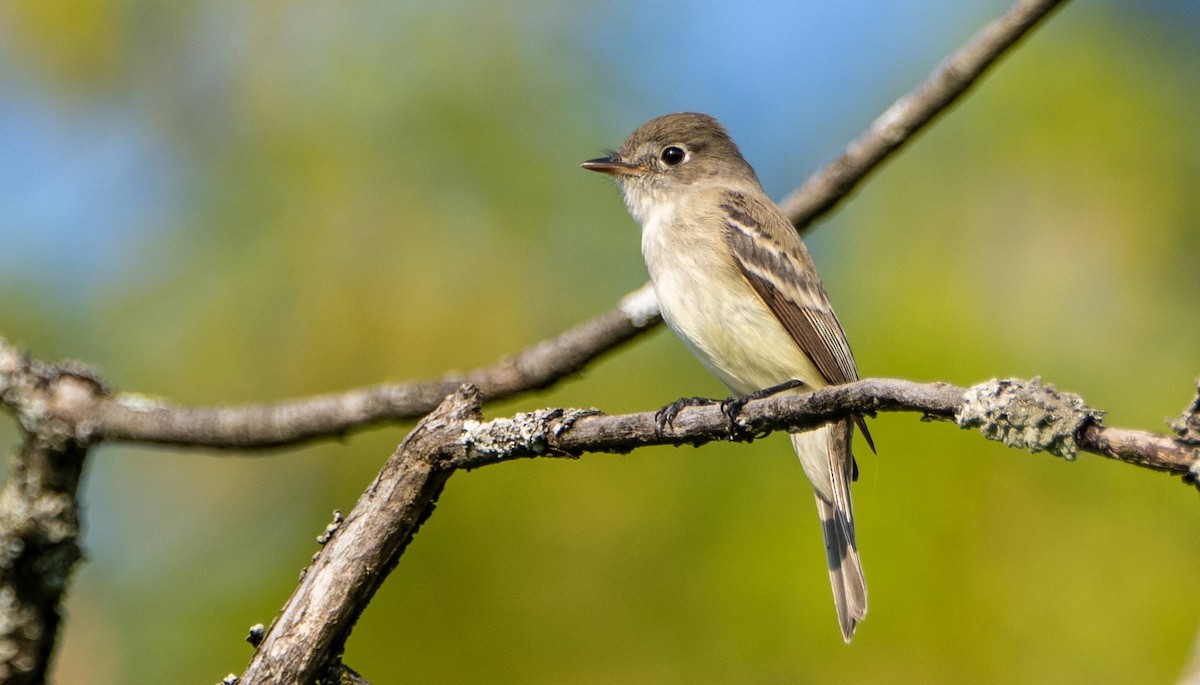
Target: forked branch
(64,409)
(312,628)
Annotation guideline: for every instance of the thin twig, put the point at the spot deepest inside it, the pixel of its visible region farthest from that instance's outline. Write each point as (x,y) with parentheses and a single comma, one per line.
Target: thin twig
(129,417)
(135,418)
(904,119)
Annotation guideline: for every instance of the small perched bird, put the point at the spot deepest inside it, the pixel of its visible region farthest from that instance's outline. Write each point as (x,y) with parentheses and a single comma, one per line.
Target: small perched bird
(736,284)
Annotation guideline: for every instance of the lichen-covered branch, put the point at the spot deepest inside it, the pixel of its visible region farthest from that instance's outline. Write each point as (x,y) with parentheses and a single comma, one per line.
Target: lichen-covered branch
(63,409)
(39,511)
(1027,415)
(1022,414)
(367,545)
(361,551)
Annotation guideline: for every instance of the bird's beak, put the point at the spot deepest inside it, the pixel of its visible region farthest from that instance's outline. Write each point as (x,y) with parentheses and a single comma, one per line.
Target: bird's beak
(613,166)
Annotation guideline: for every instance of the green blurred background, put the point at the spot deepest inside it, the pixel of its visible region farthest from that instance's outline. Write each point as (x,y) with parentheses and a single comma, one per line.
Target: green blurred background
(221,202)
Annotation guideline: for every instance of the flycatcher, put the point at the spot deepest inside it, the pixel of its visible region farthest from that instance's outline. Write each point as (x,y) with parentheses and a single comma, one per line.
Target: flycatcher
(736,284)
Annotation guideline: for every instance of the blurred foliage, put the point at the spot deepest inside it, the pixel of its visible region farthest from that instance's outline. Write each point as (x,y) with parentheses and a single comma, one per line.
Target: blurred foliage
(388,191)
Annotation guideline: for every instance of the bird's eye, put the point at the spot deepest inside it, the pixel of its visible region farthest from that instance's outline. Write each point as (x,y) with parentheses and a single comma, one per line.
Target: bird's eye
(673,155)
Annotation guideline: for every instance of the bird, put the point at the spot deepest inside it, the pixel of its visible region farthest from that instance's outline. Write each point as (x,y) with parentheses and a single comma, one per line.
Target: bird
(736,284)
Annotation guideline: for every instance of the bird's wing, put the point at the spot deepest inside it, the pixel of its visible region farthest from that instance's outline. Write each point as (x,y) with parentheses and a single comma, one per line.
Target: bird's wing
(773,259)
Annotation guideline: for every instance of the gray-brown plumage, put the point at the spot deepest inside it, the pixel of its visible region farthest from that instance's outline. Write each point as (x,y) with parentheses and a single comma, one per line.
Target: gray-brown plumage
(735,282)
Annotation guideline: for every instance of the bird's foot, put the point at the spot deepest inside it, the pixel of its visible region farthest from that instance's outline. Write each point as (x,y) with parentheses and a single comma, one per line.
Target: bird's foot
(732,408)
(665,418)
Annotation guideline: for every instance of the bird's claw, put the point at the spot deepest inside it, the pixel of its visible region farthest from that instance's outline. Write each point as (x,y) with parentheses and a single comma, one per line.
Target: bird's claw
(665,418)
(732,408)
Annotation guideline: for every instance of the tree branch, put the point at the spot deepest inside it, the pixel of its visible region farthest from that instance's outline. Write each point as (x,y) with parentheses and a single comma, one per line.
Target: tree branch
(136,418)
(312,629)
(316,621)
(904,119)
(39,511)
(1021,414)
(129,417)
(63,409)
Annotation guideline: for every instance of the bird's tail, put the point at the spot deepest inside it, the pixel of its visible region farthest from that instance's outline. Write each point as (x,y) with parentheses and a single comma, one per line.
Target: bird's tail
(828,462)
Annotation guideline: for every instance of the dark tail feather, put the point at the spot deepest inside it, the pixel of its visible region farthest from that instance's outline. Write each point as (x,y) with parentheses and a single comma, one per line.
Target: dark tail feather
(829,464)
(845,568)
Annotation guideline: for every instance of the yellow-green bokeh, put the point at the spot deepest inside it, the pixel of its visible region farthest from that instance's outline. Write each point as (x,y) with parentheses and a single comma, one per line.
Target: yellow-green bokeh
(391,193)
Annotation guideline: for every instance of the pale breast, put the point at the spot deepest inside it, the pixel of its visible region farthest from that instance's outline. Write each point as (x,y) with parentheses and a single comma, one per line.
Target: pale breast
(711,307)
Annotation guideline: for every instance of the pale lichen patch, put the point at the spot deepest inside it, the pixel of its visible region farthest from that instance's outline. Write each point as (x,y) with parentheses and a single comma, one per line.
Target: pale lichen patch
(522,434)
(1027,414)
